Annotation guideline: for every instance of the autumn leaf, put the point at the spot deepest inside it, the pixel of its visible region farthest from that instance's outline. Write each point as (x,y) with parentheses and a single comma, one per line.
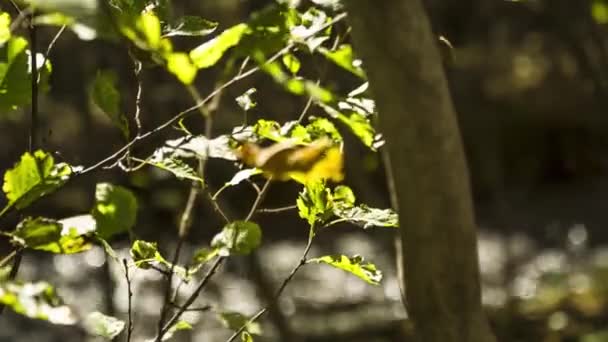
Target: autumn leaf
(288,159)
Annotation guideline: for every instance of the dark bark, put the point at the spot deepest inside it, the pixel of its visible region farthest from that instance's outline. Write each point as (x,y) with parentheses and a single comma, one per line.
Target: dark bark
(431,182)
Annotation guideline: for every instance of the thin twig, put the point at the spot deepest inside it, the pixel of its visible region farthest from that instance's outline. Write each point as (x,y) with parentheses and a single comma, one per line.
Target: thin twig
(137,71)
(198,309)
(8,258)
(51,45)
(129,301)
(185,222)
(279,292)
(322,75)
(218,262)
(276,210)
(34,85)
(217,207)
(258,200)
(195,189)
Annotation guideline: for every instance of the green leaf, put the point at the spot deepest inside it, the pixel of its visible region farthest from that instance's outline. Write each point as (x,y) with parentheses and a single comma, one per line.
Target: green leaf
(344,207)
(144,30)
(343,196)
(15,74)
(238,237)
(269,31)
(59,237)
(191,26)
(310,26)
(149,24)
(321,127)
(210,52)
(36,300)
(180,65)
(291,62)
(107,98)
(354,265)
(359,124)
(245,101)
(115,210)
(297,85)
(98,324)
(32,177)
(144,252)
(269,129)
(235,320)
(77,8)
(200,147)
(176,166)
(246,337)
(344,58)
(368,217)
(599,11)
(203,255)
(314,203)
(5,31)
(178,326)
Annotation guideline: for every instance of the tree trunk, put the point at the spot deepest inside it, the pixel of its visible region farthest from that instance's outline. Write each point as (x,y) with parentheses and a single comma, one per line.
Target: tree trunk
(431,183)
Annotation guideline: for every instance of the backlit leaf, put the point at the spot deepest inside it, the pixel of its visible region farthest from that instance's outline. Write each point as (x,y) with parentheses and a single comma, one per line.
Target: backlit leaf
(145,255)
(369,217)
(234,321)
(246,337)
(5,31)
(210,52)
(32,177)
(191,26)
(36,300)
(144,252)
(291,62)
(115,210)
(179,168)
(98,324)
(51,236)
(178,326)
(314,203)
(343,57)
(239,237)
(180,65)
(355,265)
(106,97)
(359,124)
(15,73)
(200,147)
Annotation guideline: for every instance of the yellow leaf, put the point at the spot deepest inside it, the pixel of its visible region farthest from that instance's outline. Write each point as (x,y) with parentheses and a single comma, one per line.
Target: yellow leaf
(288,160)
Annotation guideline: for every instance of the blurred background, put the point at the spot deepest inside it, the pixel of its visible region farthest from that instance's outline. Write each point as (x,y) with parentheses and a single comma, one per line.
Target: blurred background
(530,83)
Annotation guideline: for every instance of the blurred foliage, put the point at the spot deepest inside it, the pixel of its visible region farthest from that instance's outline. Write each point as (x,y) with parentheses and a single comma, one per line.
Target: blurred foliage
(528,78)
